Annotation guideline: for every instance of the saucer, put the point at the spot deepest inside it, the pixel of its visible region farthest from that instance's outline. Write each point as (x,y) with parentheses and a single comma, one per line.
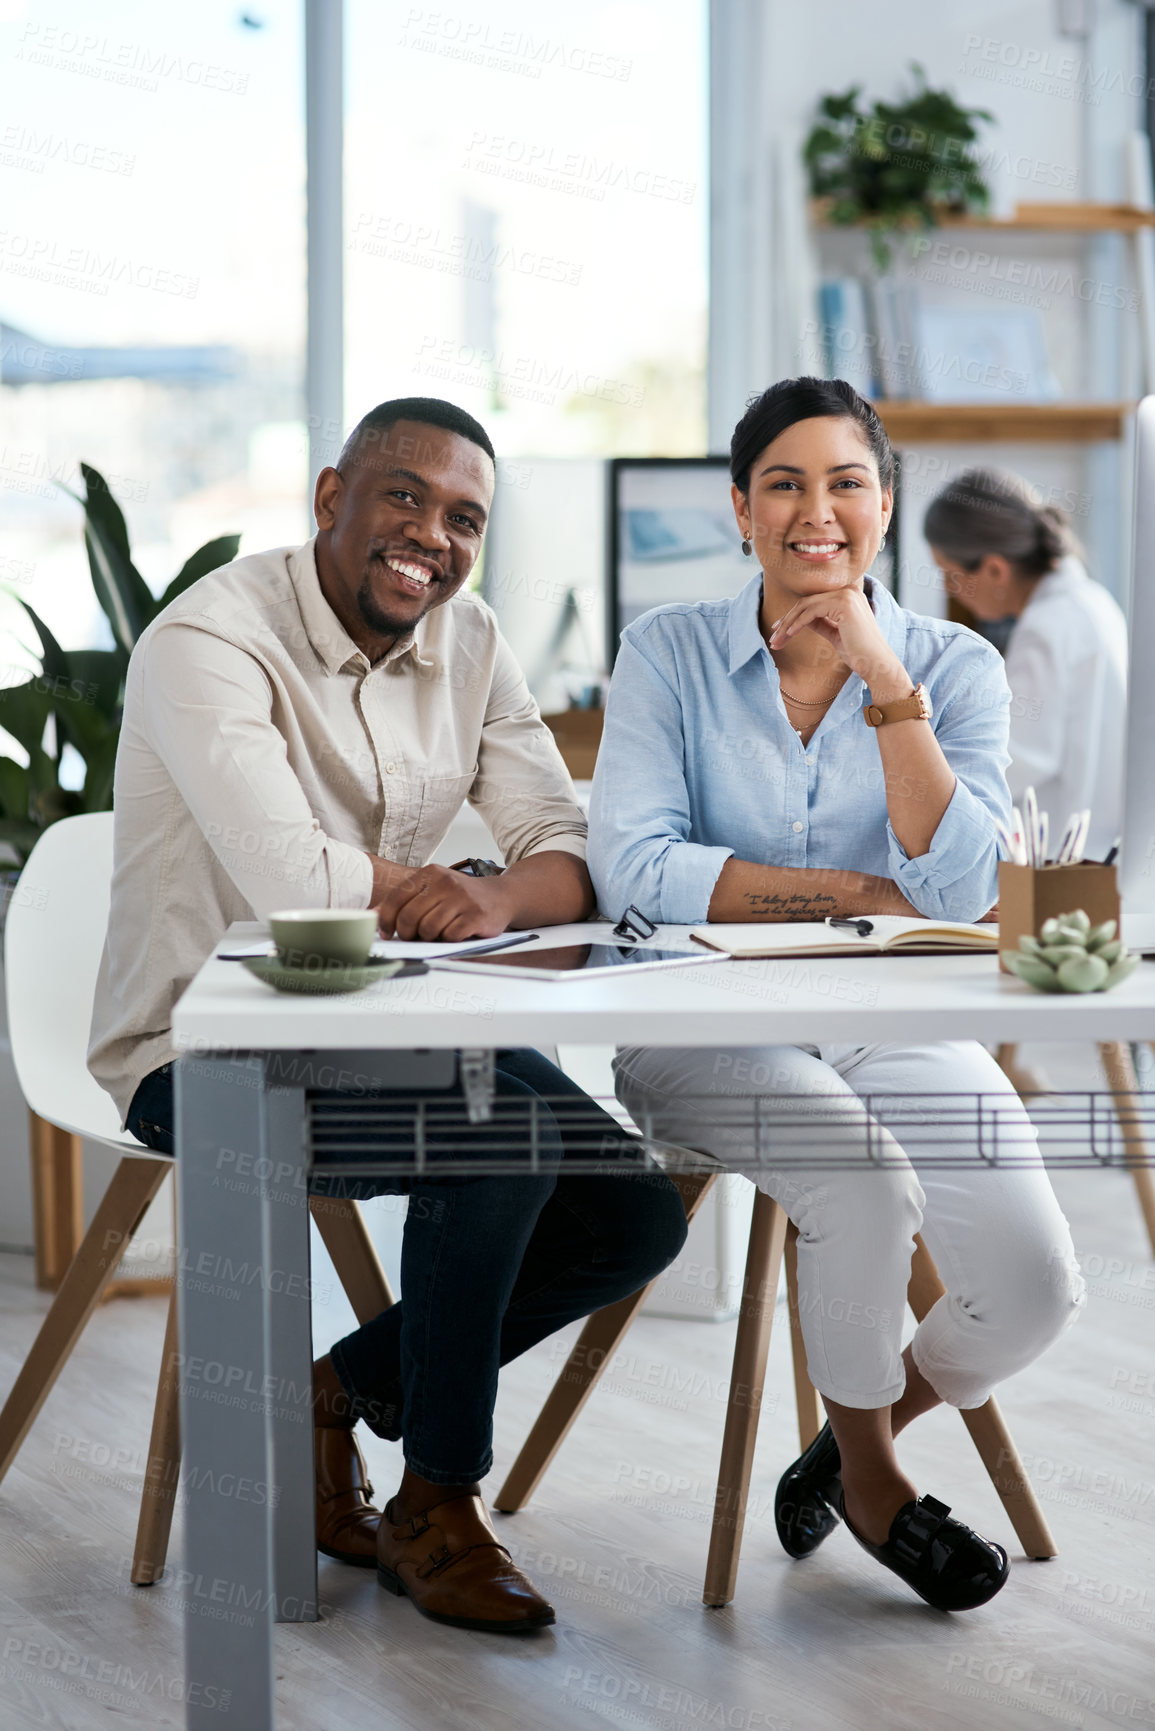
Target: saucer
(322,982)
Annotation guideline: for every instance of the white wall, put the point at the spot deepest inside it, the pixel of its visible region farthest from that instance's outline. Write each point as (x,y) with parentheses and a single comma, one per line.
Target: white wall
(545,558)
(1062,106)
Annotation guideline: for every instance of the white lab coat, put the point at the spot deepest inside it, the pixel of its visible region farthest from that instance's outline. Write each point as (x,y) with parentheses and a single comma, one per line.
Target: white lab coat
(1066,665)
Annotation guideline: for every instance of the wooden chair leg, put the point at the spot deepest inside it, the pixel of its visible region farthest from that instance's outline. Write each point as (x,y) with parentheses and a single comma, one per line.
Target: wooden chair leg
(162,1469)
(806,1397)
(997,1451)
(1124,1084)
(57,1199)
(747,1379)
(134,1184)
(592,1352)
(354,1256)
(988,1430)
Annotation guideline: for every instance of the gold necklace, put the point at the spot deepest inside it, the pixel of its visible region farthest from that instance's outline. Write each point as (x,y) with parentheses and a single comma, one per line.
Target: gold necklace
(810,702)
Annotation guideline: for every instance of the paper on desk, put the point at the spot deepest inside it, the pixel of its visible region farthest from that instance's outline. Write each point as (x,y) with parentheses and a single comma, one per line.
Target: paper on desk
(402,947)
(386,949)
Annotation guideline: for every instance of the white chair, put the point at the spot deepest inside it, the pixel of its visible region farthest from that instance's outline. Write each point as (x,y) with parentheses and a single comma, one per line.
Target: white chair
(53,943)
(55,931)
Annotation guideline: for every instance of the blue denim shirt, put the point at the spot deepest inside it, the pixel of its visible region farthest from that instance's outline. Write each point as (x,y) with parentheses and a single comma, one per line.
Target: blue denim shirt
(698,761)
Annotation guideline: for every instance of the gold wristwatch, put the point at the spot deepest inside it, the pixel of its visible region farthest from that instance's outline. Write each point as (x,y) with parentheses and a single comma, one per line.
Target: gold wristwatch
(916,707)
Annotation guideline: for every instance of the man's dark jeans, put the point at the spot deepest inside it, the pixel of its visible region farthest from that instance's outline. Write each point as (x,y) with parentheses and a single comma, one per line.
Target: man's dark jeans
(490,1264)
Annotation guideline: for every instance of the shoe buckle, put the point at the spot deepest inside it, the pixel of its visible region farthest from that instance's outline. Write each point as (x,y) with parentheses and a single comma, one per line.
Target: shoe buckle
(414,1527)
(434,1561)
(922,1523)
(907,1552)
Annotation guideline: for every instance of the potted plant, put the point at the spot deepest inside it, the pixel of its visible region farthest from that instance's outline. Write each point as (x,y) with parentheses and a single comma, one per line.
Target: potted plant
(76,697)
(896,165)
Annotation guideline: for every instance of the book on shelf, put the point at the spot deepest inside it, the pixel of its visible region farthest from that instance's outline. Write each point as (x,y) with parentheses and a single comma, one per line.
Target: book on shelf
(847,334)
(888,934)
(895,310)
(891,343)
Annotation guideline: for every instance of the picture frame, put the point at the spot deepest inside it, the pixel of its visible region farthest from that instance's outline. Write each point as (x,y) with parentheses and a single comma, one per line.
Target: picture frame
(672,537)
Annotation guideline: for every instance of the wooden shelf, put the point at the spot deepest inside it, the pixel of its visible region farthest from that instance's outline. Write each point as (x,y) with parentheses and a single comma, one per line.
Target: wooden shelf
(964,423)
(1038,218)
(1074,219)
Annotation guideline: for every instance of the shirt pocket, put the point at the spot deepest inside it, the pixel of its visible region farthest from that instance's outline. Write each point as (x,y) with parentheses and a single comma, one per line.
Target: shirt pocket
(441,799)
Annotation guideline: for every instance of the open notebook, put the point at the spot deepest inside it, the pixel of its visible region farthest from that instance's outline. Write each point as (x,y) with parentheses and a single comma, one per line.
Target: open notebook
(888,933)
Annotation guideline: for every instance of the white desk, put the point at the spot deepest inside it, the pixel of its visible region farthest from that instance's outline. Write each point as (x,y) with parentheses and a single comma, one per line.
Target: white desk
(243,1171)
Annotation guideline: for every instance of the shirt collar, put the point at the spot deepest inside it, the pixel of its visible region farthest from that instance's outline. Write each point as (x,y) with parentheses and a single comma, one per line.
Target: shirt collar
(1065,579)
(331,642)
(746,632)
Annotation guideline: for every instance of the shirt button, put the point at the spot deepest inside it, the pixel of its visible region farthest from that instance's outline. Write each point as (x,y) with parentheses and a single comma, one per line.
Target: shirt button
(389,768)
(797,829)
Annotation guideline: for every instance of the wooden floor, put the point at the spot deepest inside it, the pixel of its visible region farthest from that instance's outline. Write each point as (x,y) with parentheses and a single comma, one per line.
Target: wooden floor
(617,1538)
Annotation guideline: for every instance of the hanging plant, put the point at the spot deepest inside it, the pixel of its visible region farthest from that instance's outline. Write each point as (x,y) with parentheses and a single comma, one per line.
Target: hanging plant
(897,165)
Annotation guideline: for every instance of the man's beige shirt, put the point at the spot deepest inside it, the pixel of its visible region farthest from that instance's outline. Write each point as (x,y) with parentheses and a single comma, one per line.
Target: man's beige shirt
(262,758)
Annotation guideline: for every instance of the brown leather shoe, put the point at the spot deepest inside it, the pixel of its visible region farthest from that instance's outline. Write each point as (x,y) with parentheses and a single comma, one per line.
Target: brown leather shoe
(448,1560)
(346,1519)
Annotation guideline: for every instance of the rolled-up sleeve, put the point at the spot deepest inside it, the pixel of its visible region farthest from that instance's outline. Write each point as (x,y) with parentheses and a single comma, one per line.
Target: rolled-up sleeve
(206,707)
(522,788)
(640,824)
(957,878)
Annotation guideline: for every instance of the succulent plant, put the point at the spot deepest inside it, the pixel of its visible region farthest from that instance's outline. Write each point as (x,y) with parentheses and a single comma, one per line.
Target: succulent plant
(1072,955)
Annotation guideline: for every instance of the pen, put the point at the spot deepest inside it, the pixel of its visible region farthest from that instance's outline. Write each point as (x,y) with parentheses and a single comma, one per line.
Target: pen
(1062,857)
(1010,842)
(1109,857)
(1031,814)
(485,949)
(1019,831)
(862,927)
(1079,845)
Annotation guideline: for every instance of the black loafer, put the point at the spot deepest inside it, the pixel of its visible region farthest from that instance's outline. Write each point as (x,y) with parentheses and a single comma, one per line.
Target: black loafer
(946,1563)
(807,1498)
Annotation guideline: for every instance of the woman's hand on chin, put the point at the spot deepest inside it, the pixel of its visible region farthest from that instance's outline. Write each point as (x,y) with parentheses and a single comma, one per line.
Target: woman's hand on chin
(843,617)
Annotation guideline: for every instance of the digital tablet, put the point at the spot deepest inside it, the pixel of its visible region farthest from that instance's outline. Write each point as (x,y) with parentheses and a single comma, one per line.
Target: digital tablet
(575,961)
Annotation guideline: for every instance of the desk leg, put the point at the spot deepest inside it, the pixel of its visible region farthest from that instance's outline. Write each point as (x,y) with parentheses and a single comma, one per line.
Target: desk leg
(1124,1084)
(227,1577)
(290,1358)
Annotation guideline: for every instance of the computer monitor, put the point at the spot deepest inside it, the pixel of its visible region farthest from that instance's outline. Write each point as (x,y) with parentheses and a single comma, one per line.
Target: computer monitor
(1137,854)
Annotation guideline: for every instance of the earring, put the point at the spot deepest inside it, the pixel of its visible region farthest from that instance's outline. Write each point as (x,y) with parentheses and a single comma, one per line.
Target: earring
(882,543)
(746,548)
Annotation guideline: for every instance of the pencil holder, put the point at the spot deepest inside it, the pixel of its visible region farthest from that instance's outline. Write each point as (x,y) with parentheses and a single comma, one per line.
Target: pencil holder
(1028,895)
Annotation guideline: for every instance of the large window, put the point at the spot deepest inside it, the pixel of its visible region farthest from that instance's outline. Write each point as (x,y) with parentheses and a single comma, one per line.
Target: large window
(151,287)
(526,211)
(526,228)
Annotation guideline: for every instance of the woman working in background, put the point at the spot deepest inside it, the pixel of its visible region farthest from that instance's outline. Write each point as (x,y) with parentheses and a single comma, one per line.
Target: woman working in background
(1005,554)
(741,778)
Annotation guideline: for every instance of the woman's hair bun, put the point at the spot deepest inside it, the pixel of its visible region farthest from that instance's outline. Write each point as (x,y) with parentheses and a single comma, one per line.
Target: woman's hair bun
(984,511)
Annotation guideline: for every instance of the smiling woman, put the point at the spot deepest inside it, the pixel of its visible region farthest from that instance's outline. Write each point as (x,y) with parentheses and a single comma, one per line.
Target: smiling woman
(813,491)
(879,739)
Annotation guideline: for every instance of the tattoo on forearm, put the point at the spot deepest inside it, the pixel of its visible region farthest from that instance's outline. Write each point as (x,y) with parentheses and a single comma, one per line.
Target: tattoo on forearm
(799,906)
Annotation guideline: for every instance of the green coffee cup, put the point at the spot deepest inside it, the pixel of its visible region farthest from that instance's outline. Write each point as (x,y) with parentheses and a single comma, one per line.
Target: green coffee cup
(323,937)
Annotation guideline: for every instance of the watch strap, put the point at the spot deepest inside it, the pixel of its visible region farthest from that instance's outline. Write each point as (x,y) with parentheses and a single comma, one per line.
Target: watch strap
(478,868)
(913,708)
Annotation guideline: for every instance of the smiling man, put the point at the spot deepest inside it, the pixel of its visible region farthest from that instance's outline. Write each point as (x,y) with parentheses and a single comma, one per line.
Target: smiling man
(300,728)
